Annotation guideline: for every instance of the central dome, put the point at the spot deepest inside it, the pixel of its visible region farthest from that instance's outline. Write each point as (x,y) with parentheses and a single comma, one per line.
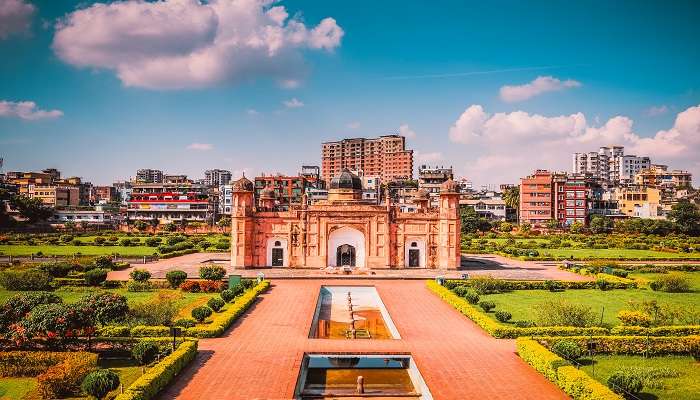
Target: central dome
(346,180)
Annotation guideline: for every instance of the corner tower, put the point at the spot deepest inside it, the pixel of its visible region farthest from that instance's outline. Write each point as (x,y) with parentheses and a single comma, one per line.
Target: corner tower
(242,232)
(449,248)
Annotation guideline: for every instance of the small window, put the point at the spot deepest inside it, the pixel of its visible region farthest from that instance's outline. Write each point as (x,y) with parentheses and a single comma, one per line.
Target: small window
(414,244)
(277,243)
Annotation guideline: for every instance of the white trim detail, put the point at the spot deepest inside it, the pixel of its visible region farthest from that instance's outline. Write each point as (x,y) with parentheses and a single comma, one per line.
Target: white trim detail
(346,235)
(420,246)
(283,245)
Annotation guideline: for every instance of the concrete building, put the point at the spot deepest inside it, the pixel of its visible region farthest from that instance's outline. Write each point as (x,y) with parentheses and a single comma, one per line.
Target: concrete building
(225,199)
(105,194)
(641,202)
(92,217)
(169,207)
(217,177)
(288,189)
(385,157)
(431,178)
(536,203)
(609,165)
(55,196)
(571,193)
(493,209)
(147,175)
(658,176)
(343,231)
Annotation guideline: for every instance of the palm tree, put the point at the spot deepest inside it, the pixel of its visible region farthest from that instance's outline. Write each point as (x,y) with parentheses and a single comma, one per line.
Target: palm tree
(511,197)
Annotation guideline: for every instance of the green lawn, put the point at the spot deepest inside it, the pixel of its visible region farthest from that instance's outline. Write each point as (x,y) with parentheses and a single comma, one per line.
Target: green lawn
(73,294)
(523,303)
(16,388)
(686,386)
(69,250)
(645,278)
(614,253)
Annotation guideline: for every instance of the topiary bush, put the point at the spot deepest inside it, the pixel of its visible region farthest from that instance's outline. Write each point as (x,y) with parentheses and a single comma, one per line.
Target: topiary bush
(634,318)
(95,277)
(190,286)
(99,383)
(671,283)
(144,352)
(216,303)
(567,349)
(625,383)
(103,262)
(185,322)
(228,295)
(25,280)
(503,316)
(140,275)
(472,297)
(201,313)
(487,306)
(212,272)
(57,269)
(176,278)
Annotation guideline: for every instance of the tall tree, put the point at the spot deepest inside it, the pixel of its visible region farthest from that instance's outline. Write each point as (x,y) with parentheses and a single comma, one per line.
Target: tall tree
(32,209)
(511,197)
(686,216)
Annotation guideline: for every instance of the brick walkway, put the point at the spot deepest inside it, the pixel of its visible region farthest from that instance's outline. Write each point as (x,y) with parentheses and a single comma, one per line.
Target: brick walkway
(259,357)
(483,264)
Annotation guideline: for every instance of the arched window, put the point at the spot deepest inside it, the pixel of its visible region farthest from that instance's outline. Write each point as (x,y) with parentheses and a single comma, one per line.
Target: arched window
(277,243)
(414,244)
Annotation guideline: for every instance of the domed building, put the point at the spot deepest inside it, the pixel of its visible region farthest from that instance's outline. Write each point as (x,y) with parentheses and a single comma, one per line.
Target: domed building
(344,230)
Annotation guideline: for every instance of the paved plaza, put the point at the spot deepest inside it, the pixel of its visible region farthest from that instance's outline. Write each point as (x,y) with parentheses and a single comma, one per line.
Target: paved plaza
(260,356)
(483,264)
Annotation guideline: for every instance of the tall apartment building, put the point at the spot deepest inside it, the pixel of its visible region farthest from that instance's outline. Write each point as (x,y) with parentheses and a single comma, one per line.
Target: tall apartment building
(571,193)
(217,177)
(609,165)
(147,175)
(385,157)
(536,206)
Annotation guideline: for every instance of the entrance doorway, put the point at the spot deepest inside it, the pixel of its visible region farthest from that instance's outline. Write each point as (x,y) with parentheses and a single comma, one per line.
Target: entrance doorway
(277,252)
(413,258)
(345,256)
(277,257)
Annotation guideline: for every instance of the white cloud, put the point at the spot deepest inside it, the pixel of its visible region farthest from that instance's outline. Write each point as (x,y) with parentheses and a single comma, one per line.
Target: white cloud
(289,83)
(505,146)
(655,111)
(252,112)
(26,110)
(200,146)
(406,131)
(353,125)
(175,44)
(293,103)
(15,17)
(541,84)
(428,157)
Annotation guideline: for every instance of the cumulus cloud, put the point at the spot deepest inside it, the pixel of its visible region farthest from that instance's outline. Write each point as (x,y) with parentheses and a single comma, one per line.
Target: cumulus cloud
(26,110)
(542,84)
(655,111)
(502,145)
(15,17)
(406,131)
(174,44)
(200,146)
(293,103)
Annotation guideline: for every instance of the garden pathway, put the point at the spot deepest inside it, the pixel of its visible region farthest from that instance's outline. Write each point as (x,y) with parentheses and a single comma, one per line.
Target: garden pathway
(259,358)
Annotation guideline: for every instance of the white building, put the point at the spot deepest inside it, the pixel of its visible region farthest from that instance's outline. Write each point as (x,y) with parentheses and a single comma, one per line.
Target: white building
(609,165)
(217,177)
(490,208)
(225,199)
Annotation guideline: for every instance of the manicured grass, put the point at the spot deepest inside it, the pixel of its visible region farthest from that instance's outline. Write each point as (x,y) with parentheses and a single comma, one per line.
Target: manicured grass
(686,386)
(70,295)
(69,250)
(645,278)
(16,388)
(524,303)
(614,254)
(126,368)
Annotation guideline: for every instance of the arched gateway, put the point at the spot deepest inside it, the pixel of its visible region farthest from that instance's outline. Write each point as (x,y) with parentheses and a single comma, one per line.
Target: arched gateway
(346,247)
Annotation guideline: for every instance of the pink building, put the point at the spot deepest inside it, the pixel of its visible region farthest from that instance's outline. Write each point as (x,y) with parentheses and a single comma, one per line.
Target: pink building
(344,230)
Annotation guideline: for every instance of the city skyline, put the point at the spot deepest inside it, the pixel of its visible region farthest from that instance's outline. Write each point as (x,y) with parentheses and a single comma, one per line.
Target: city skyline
(184,92)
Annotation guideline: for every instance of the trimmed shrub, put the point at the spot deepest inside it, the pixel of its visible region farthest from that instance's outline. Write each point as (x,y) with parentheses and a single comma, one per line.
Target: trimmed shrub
(144,352)
(211,286)
(160,310)
(99,240)
(563,313)
(185,322)
(567,349)
(103,262)
(212,272)
(626,383)
(216,303)
(104,307)
(190,286)
(58,269)
(671,283)
(25,280)
(140,275)
(201,313)
(135,286)
(175,278)
(487,306)
(17,306)
(95,277)
(634,318)
(64,378)
(228,295)
(99,383)
(472,297)
(503,316)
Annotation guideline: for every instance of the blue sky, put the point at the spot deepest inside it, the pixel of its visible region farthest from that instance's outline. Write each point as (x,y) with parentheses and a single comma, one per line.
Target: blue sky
(133,92)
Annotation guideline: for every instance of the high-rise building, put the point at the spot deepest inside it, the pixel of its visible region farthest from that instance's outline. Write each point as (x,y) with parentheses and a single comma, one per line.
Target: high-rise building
(571,193)
(385,157)
(610,165)
(147,175)
(217,177)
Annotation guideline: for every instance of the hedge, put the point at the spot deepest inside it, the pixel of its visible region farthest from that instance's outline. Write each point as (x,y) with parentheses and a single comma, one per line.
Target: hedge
(177,253)
(614,282)
(574,382)
(499,330)
(673,330)
(159,376)
(219,324)
(633,345)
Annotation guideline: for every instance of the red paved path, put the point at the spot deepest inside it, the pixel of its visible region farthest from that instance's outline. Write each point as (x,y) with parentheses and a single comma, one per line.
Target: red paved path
(259,357)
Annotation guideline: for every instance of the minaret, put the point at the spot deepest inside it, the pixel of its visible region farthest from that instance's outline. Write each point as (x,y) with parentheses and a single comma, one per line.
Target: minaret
(242,210)
(449,248)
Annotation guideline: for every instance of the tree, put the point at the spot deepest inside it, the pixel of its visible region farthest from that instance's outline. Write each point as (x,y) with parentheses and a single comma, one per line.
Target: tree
(32,209)
(511,196)
(140,225)
(99,383)
(470,220)
(183,224)
(154,222)
(686,216)
(69,225)
(552,224)
(576,227)
(170,227)
(600,224)
(224,222)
